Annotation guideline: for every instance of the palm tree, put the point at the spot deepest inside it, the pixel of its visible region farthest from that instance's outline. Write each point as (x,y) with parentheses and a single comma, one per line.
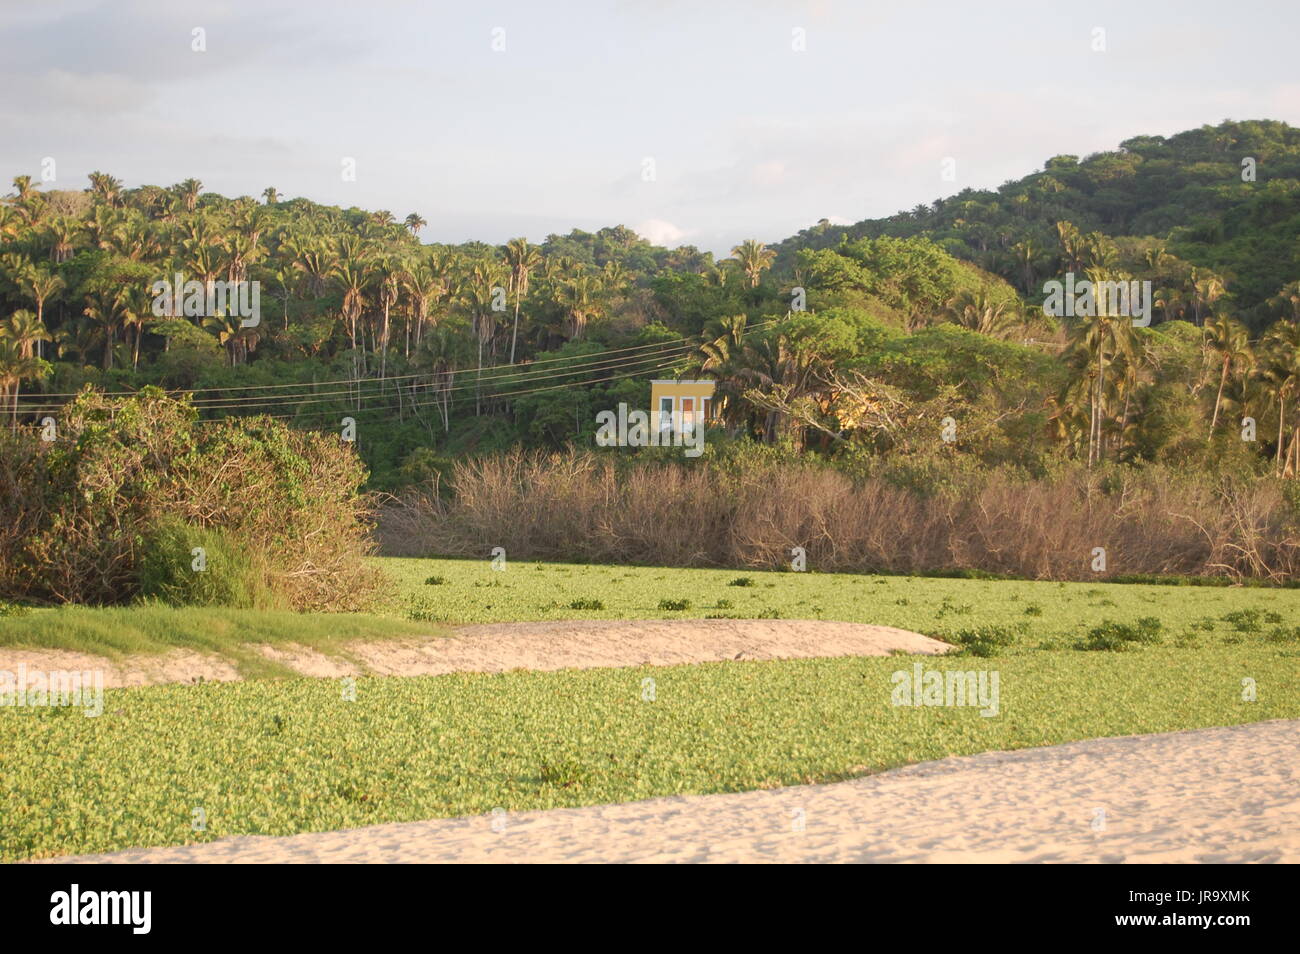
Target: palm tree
(390,289)
(1281,373)
(1229,340)
(978,312)
(354,279)
(1287,301)
(62,233)
(189,191)
(22,189)
(423,288)
(522,259)
(414,222)
(107,309)
(1095,344)
(106,188)
(753,258)
(270,195)
(231,334)
(580,304)
(1206,288)
(15,367)
(25,330)
(1074,247)
(478,296)
(1026,255)
(37,284)
(1157,259)
(315,259)
(10,222)
(721,357)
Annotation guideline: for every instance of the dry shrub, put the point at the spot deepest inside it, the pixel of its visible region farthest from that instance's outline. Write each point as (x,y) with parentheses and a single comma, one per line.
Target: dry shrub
(89,501)
(587,507)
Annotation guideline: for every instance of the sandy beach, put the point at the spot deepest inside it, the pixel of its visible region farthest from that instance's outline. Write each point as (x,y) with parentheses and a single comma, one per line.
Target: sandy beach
(1225,795)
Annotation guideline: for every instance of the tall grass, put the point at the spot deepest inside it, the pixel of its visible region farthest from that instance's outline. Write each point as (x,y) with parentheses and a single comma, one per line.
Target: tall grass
(585,507)
(155,628)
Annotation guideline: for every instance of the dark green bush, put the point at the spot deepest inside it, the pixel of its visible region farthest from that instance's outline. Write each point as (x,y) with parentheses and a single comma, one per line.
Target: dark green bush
(984,640)
(1118,637)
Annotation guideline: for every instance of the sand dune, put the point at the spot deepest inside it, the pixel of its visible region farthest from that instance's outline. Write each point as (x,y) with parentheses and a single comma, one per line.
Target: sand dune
(497,647)
(1210,795)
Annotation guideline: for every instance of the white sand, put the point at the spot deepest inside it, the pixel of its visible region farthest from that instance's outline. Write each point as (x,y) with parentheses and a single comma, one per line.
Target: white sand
(498,647)
(1211,795)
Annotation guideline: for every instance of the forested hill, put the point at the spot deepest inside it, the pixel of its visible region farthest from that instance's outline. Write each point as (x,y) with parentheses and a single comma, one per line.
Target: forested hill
(1184,194)
(839,338)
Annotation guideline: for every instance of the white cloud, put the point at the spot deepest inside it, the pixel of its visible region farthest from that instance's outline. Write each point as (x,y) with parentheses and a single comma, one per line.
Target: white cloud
(660,232)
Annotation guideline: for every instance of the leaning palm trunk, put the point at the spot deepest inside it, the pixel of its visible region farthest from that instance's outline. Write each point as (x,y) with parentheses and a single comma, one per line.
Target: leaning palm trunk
(1218,399)
(1281,423)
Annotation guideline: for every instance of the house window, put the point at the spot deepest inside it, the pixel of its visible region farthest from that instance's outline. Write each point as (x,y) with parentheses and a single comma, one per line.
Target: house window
(688,415)
(706,409)
(665,414)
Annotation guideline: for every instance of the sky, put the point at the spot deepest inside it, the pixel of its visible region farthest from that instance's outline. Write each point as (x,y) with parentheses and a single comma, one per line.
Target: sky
(701,123)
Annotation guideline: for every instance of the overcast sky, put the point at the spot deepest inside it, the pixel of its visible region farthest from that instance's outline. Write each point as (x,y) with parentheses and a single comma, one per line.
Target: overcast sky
(749,137)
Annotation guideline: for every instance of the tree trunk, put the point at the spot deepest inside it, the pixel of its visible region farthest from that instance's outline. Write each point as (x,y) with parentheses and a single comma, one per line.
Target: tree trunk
(1223,379)
(1281,420)
(514,336)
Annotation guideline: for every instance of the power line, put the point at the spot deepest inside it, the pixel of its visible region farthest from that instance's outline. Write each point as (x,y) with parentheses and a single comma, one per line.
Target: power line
(349,381)
(330,397)
(472,385)
(464,398)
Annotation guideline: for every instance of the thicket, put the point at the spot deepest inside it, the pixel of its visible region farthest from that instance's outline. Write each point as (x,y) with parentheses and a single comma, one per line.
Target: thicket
(117,505)
(750,509)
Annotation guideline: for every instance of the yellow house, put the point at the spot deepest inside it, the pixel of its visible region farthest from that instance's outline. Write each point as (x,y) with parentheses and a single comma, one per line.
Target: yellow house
(686,402)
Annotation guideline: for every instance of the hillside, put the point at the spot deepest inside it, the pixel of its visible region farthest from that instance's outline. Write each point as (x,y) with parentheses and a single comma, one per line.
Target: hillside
(1184,194)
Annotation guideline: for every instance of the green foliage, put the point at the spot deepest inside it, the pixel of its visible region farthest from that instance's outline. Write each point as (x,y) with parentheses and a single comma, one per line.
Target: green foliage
(109,505)
(1186,190)
(154,627)
(282,757)
(1117,637)
(930,313)
(986,640)
(168,568)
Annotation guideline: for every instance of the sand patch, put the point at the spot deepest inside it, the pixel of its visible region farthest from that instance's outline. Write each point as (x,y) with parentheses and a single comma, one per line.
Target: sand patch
(500,647)
(1226,795)
(307,661)
(591,644)
(137,669)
